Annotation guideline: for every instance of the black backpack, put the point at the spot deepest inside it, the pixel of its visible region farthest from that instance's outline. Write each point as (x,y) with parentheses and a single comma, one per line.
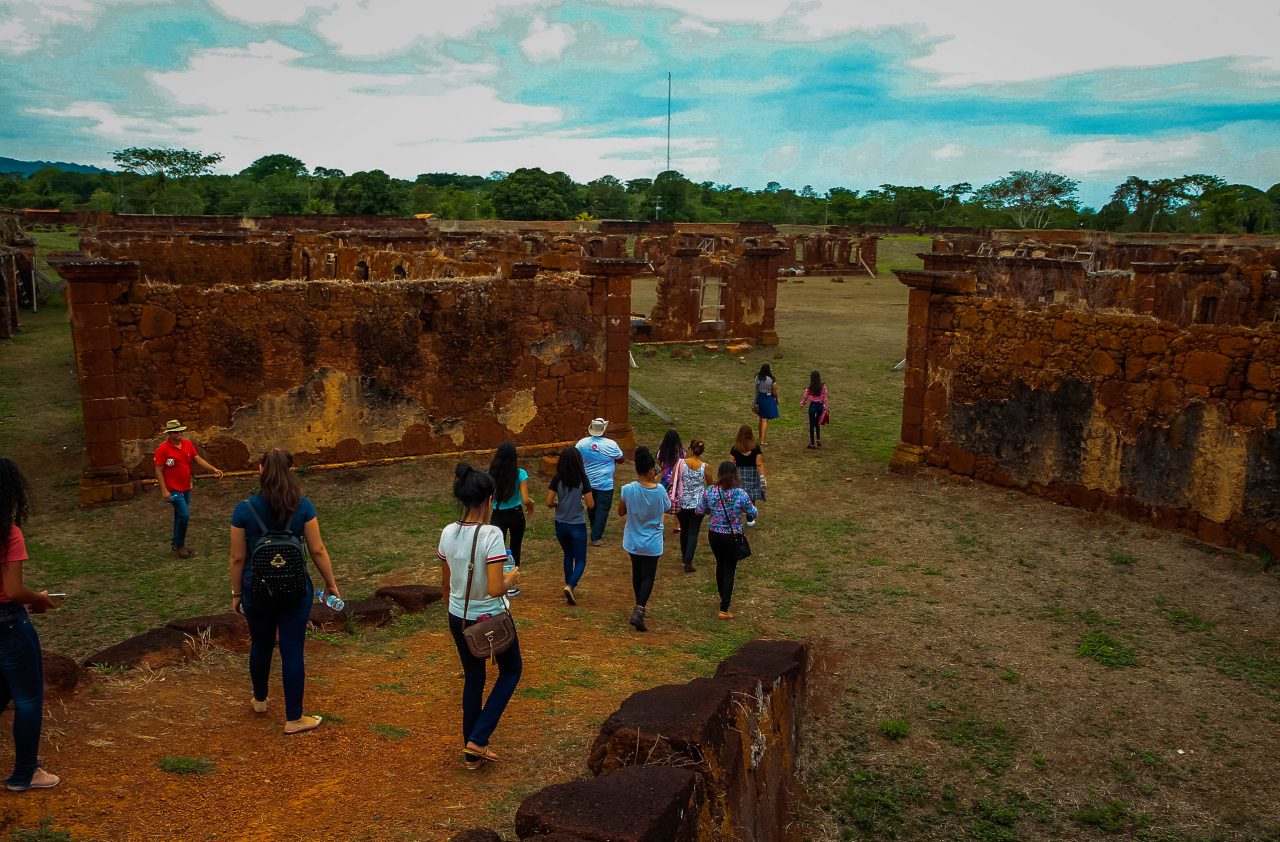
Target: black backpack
(277,564)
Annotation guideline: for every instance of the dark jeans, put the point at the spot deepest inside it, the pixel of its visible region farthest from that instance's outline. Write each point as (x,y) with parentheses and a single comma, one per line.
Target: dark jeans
(479,720)
(290,621)
(690,525)
(722,547)
(573,540)
(815,415)
(511,520)
(181,501)
(644,569)
(22,680)
(600,514)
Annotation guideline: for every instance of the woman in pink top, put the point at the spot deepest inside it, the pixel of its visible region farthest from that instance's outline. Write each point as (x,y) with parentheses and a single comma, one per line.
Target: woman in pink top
(21,663)
(816,397)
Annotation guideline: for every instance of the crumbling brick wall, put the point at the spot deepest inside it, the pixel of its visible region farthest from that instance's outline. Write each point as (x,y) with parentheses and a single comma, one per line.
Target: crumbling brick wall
(339,371)
(1103,409)
(718,296)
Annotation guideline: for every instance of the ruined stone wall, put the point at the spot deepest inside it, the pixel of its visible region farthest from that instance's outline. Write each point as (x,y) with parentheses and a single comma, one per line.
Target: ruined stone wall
(706,761)
(1098,409)
(338,371)
(17,262)
(747,296)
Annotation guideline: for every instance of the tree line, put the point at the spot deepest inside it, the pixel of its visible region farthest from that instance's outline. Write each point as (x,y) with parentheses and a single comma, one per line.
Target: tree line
(180,181)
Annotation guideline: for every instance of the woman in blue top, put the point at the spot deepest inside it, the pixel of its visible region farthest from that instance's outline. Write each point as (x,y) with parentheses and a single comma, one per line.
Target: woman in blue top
(727,504)
(471,552)
(511,498)
(279,502)
(766,399)
(644,502)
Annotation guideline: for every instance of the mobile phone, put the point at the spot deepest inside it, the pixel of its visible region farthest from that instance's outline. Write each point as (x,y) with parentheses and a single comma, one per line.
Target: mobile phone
(57,599)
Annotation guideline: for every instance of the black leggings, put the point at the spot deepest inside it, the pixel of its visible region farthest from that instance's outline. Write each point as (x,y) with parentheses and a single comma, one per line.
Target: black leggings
(816,409)
(722,547)
(513,520)
(690,526)
(644,569)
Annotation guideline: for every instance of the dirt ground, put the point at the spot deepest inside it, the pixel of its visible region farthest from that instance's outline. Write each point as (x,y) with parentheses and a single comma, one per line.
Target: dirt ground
(987,665)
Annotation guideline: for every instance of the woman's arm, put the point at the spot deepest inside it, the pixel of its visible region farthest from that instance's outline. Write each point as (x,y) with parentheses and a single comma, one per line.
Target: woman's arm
(551,499)
(706,473)
(17,591)
(320,555)
(760,464)
(445,579)
(525,498)
(748,507)
(588,500)
(235,568)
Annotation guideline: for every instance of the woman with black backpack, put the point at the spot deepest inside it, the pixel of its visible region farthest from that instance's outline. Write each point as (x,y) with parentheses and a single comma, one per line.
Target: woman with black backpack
(273,589)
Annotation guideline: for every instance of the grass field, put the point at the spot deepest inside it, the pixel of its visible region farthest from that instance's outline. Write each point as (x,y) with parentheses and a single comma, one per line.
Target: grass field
(987,666)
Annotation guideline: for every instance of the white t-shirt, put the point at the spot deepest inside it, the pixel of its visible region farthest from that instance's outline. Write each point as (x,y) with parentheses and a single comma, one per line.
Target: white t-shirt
(600,456)
(455,549)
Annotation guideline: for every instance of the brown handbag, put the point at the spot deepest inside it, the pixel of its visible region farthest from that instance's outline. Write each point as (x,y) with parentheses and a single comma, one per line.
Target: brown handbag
(493,635)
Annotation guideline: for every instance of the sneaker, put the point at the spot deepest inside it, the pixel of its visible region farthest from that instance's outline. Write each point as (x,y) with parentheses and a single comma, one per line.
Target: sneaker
(751,523)
(568,596)
(637,619)
(596,542)
(40,780)
(812,446)
(819,442)
(513,592)
(689,568)
(182,552)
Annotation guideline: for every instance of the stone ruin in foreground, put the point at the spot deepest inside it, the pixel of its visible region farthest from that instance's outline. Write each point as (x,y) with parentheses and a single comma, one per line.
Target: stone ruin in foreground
(1137,374)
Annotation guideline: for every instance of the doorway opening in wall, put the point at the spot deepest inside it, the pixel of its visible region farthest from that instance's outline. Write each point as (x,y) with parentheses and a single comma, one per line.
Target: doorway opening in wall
(711,301)
(1205,311)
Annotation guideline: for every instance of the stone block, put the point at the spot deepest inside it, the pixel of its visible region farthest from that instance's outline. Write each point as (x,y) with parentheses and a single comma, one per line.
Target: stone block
(635,804)
(412,599)
(229,630)
(365,612)
(1206,368)
(476,834)
(156,322)
(61,672)
(156,648)
(1259,376)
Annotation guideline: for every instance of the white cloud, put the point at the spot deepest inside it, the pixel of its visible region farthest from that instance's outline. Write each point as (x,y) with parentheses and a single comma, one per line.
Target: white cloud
(1111,155)
(546,42)
(27,25)
(951,150)
(379,27)
(270,11)
(103,119)
(690,26)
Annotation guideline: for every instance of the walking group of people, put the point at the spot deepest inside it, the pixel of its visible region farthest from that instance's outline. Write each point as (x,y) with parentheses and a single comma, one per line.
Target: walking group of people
(480,555)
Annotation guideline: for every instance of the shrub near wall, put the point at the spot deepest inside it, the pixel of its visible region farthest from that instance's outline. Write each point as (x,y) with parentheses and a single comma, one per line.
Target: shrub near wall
(1108,410)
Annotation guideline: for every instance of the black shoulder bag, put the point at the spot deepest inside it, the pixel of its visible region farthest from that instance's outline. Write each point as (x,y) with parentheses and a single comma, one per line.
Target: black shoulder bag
(493,635)
(741,549)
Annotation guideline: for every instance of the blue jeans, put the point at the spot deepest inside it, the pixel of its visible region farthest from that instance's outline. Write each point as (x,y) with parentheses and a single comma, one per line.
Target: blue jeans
(479,715)
(600,514)
(265,620)
(181,501)
(815,415)
(22,680)
(573,540)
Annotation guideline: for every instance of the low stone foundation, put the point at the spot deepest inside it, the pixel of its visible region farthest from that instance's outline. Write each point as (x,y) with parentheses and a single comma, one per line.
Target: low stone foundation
(713,759)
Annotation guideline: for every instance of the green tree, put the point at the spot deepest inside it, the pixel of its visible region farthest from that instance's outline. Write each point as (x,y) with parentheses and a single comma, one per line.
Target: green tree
(1031,196)
(280,193)
(672,198)
(369,193)
(164,165)
(269,165)
(607,199)
(1238,209)
(532,193)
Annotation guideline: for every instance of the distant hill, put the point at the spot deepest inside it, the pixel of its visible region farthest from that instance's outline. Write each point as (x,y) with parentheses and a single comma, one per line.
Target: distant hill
(26,168)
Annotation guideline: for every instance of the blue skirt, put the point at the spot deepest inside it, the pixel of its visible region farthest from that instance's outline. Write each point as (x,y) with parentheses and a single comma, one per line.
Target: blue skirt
(768,405)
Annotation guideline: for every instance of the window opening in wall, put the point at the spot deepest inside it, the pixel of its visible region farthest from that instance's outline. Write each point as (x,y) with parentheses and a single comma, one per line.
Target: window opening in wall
(306,265)
(331,265)
(399,271)
(711,305)
(362,271)
(1206,311)
(799,250)
(707,246)
(631,245)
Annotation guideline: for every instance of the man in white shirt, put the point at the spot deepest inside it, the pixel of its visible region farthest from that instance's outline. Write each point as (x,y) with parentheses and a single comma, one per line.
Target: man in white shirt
(600,456)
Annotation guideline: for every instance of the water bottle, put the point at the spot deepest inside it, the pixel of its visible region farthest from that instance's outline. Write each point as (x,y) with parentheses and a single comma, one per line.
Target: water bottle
(335,602)
(507,567)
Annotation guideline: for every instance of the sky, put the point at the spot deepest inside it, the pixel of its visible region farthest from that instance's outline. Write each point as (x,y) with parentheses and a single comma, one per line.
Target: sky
(826,93)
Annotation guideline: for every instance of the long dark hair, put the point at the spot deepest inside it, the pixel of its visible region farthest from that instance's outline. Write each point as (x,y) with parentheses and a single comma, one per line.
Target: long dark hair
(644,461)
(815,383)
(15,501)
(669,450)
(278,486)
(727,477)
(504,470)
(570,471)
(472,488)
(764,372)
(746,440)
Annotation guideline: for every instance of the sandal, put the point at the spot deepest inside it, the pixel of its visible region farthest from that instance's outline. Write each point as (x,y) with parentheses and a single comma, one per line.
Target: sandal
(259,706)
(726,615)
(472,753)
(303,724)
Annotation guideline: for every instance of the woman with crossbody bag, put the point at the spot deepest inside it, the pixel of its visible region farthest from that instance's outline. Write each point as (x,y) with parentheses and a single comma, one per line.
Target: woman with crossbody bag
(471,553)
(729,507)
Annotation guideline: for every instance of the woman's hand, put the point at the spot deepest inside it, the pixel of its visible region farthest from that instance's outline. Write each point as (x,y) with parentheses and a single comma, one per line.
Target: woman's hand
(237,607)
(511,577)
(331,589)
(42,604)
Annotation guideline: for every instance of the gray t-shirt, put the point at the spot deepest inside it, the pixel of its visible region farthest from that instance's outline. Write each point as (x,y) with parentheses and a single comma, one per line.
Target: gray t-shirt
(569,503)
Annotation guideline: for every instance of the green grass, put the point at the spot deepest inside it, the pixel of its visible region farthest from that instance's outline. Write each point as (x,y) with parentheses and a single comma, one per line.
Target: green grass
(874,802)
(986,745)
(1110,817)
(1122,559)
(330,718)
(43,832)
(895,729)
(179,764)
(389,732)
(1106,650)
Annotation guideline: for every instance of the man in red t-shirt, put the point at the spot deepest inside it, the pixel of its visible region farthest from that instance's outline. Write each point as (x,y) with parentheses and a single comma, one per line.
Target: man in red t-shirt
(174,458)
